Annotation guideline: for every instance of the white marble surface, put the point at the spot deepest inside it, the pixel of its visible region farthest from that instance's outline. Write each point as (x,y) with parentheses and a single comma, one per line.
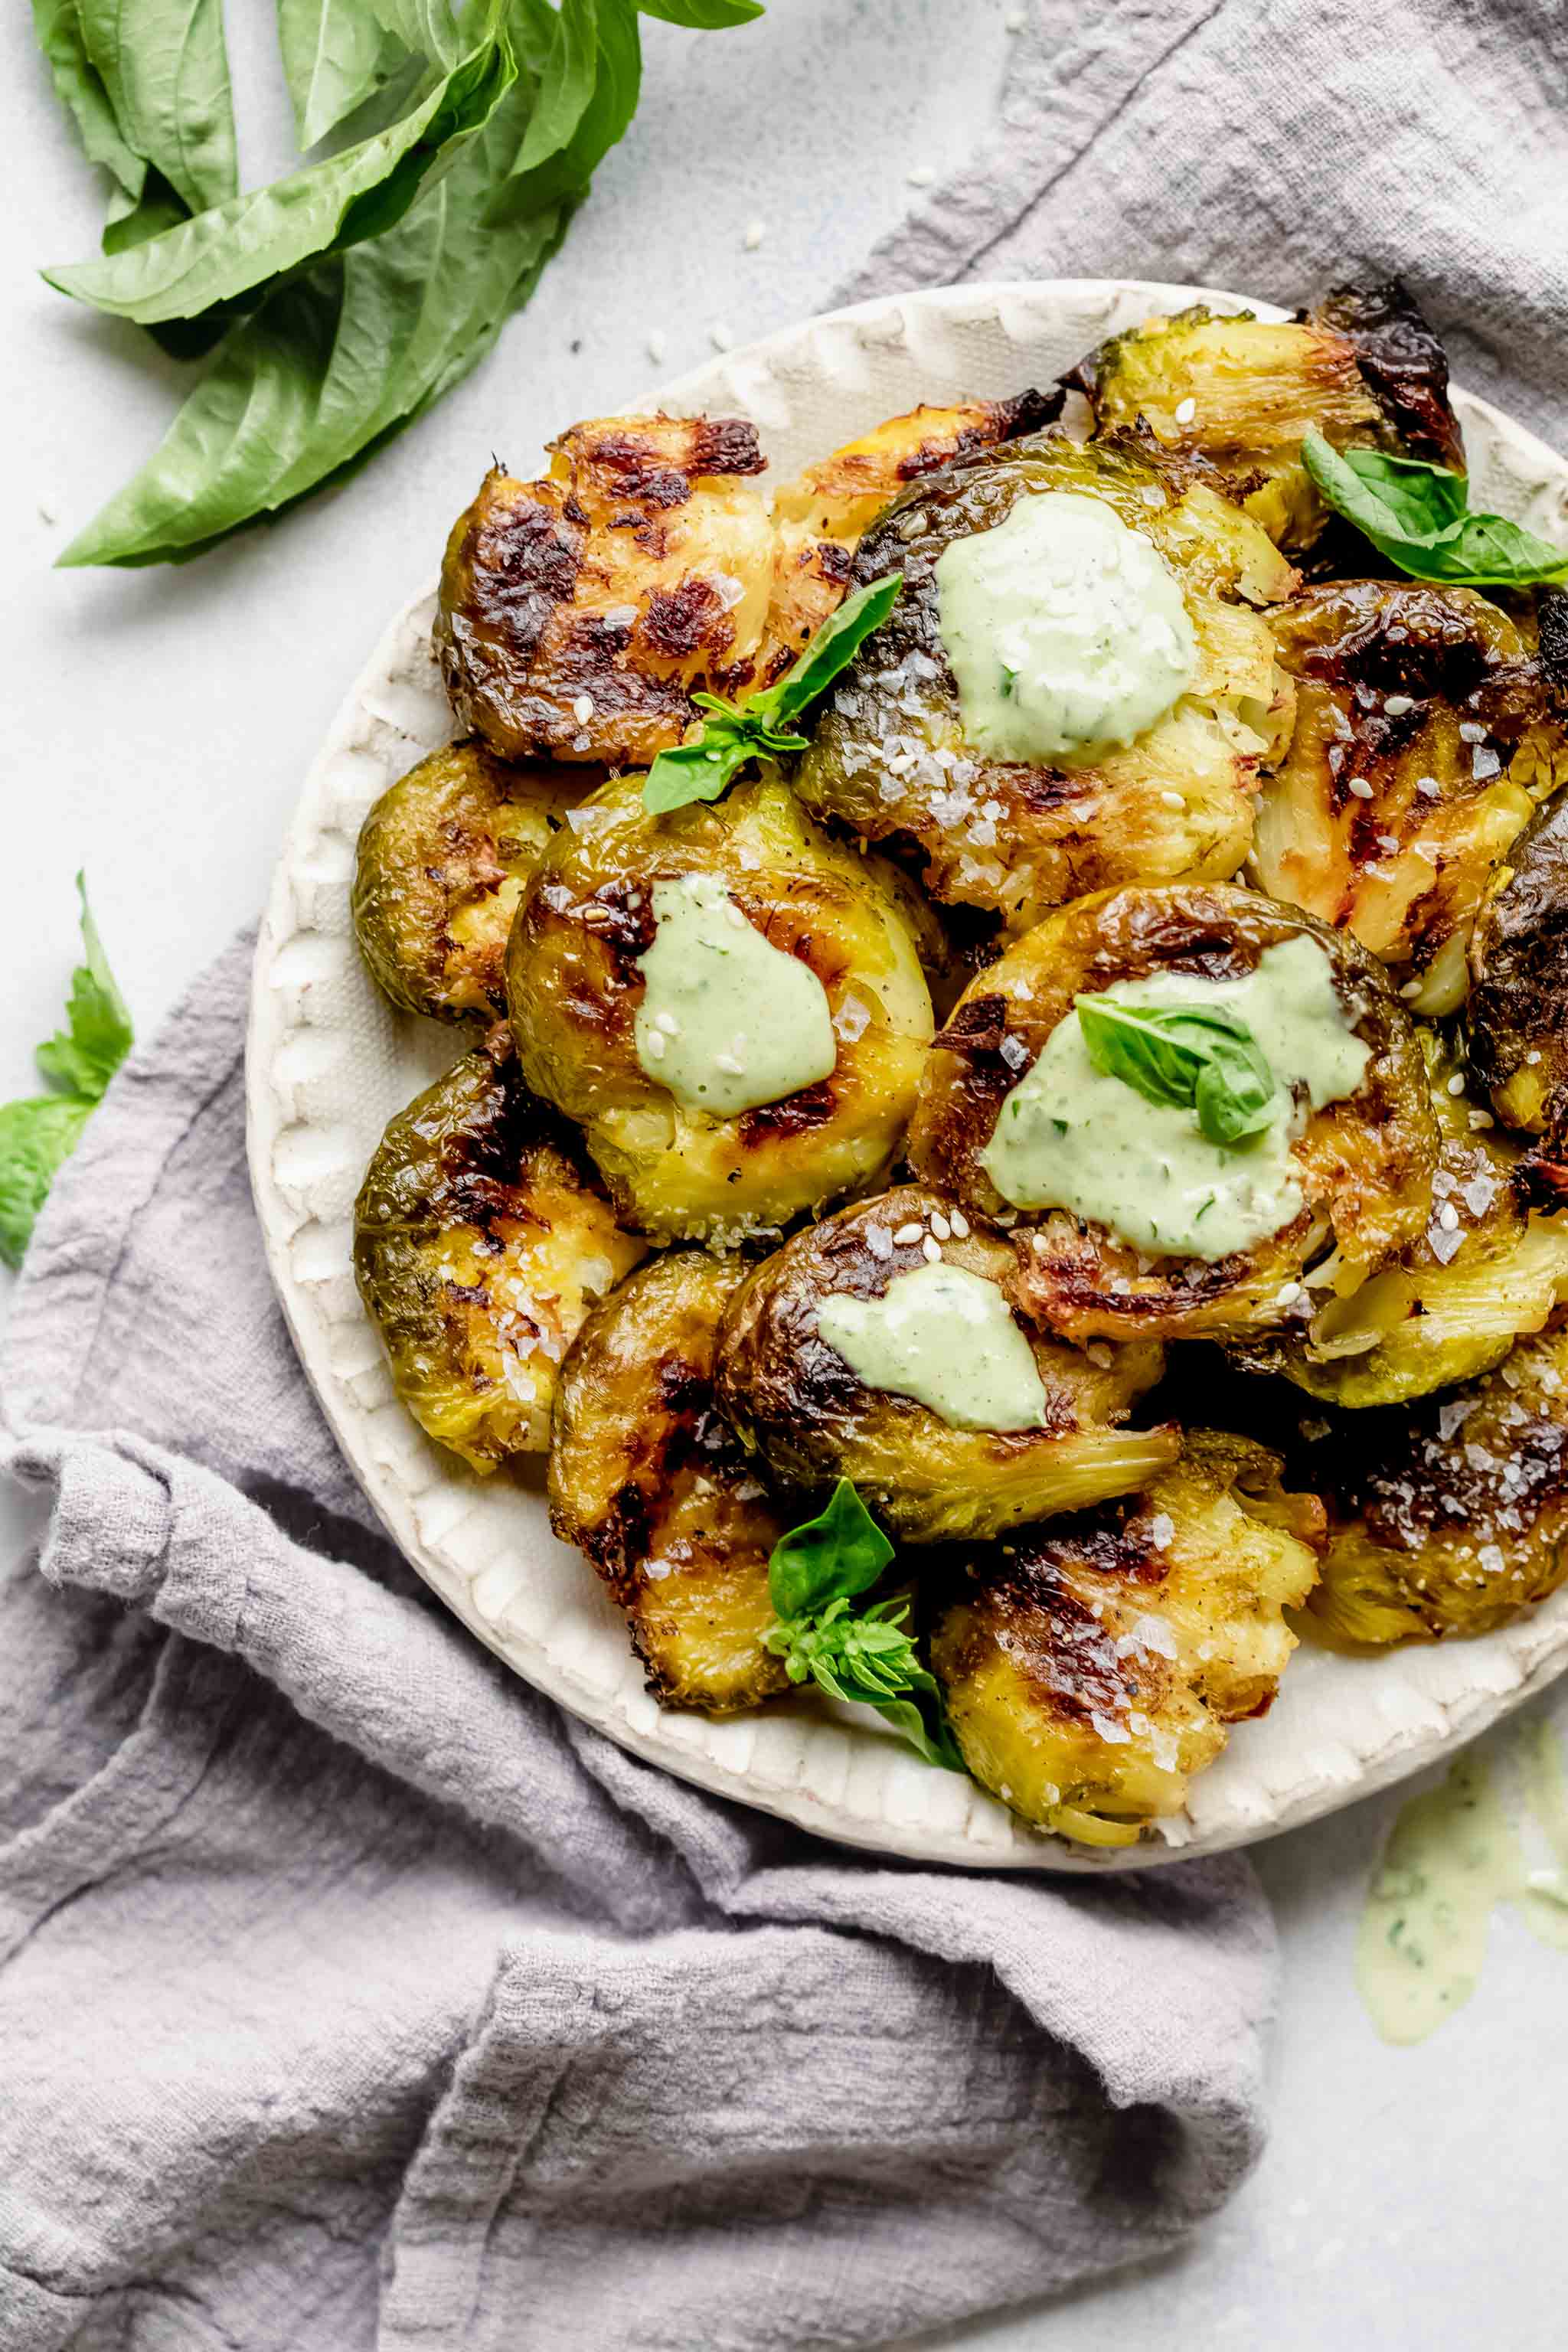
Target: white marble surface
(158,723)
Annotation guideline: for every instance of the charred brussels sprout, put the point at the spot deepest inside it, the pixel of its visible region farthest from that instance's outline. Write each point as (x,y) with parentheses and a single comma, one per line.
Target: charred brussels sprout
(890,759)
(1363,370)
(1425,733)
(1450,1519)
(1517,1011)
(1487,1269)
(793,1398)
(578,614)
(1091,1668)
(1363,1165)
(820,516)
(481,1238)
(645,1477)
(575,985)
(443,858)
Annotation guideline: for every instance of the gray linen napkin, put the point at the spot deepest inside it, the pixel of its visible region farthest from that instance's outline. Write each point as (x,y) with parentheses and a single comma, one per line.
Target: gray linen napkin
(352,1994)
(349,1994)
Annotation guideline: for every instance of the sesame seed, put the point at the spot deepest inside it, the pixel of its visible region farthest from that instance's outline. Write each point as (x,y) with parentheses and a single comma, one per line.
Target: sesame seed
(960,1224)
(907,1233)
(1396,705)
(931,1251)
(1185,411)
(1286,1294)
(1448,1217)
(657,348)
(654,1043)
(1411,990)
(583,709)
(729,1063)
(1015,21)
(922,176)
(1480,1119)
(720,336)
(939,1225)
(754,234)
(733,916)
(667,1023)
(1457,1083)
(1361,787)
(1172,800)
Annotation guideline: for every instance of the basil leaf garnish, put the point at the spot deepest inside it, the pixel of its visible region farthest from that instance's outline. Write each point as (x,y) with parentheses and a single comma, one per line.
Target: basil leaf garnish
(1417,515)
(1201,1058)
(701,768)
(865,1656)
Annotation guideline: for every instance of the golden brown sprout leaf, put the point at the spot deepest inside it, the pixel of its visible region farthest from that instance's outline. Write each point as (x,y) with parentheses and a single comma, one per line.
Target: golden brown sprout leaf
(481,1239)
(1091,1669)
(645,1477)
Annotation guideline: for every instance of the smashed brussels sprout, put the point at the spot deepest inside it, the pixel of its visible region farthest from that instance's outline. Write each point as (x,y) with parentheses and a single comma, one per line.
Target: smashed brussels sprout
(821,514)
(443,858)
(890,759)
(1425,734)
(647,1479)
(1363,369)
(1363,1165)
(1451,1517)
(1451,1304)
(1517,1017)
(579,613)
(481,1239)
(1090,1667)
(794,1399)
(574,985)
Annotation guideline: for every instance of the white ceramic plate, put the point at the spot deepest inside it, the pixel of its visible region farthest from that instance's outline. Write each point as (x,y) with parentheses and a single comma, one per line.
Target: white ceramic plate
(330,1062)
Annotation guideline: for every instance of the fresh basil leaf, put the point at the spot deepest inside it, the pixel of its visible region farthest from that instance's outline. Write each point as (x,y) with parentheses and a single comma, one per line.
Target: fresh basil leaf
(363,191)
(1423,500)
(936,1744)
(1476,551)
(79,87)
(617,85)
(1187,1056)
(833,648)
(37,1137)
(336,54)
(38,1134)
(428,29)
(839,1553)
(164,65)
(332,365)
(83,1057)
(566,84)
(694,772)
(703,15)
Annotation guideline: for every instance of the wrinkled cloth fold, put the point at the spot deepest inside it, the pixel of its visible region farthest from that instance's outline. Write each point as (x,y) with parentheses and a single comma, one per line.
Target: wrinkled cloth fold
(352,1995)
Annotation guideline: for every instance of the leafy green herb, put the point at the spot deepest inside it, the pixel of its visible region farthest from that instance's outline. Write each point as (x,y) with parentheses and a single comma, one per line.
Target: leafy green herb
(1417,515)
(349,296)
(867,1657)
(336,54)
(702,769)
(1206,1059)
(38,1134)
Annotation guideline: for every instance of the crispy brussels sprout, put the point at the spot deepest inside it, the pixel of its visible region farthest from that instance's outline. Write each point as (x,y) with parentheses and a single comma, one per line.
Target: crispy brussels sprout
(574,986)
(822,512)
(1363,370)
(889,760)
(579,613)
(793,1398)
(1090,1668)
(1451,1516)
(1518,1012)
(645,1477)
(1424,736)
(1365,1164)
(1454,1301)
(481,1239)
(443,858)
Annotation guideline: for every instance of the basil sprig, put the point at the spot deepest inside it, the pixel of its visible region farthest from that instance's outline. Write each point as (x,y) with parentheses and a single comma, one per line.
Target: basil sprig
(702,768)
(1418,516)
(816,1571)
(1201,1058)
